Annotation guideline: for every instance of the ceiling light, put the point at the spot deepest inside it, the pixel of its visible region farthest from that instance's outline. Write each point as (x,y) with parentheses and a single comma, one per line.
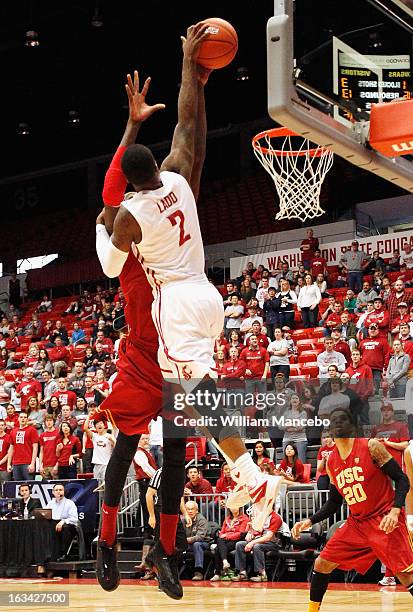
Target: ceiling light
(97,19)
(242,74)
(23,129)
(32,39)
(73,117)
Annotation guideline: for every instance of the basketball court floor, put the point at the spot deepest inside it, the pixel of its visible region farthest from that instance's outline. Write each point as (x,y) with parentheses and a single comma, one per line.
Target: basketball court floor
(87,596)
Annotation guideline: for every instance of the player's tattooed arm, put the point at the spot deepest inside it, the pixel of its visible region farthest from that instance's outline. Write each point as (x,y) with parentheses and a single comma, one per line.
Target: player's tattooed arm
(378,452)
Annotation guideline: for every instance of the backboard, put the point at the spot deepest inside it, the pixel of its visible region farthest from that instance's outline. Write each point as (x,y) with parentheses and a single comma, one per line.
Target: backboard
(329,61)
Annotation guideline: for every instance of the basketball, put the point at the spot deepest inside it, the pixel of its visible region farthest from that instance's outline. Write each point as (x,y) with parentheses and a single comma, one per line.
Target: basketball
(221,45)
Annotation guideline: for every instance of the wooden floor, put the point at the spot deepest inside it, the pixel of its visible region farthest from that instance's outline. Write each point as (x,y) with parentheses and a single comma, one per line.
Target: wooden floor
(286,597)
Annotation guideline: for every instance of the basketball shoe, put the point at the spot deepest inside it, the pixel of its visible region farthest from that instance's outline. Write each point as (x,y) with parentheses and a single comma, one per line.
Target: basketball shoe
(167,569)
(107,571)
(263,495)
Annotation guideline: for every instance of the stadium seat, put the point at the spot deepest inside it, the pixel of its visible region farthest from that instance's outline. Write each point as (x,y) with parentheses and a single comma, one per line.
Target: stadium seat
(310,369)
(307,356)
(307,472)
(200,444)
(305,345)
(295,370)
(316,332)
(299,334)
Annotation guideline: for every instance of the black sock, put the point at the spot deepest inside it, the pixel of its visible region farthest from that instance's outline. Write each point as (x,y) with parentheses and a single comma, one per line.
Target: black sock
(173,474)
(319,584)
(118,466)
(410,589)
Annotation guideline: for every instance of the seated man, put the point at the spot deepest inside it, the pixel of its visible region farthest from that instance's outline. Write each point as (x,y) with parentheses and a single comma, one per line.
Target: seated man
(64,510)
(27,503)
(257,543)
(195,537)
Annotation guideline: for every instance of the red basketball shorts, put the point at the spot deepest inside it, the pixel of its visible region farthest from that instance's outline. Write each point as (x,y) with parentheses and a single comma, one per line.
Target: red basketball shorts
(359,543)
(136,396)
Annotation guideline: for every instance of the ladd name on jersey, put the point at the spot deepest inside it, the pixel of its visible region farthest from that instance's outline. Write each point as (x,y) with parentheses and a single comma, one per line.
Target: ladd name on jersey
(166,202)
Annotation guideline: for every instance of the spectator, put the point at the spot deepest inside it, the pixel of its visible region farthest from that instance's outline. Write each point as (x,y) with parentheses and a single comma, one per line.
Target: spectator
(233,528)
(404,317)
(24,444)
(291,467)
(224,485)
(318,265)
(47,332)
(392,433)
(59,331)
(407,256)
(329,357)
(14,291)
(107,344)
(35,414)
(45,305)
(257,362)
(156,440)
(257,331)
(230,291)
(145,468)
(308,248)
(43,364)
(375,351)
(64,395)
(80,413)
(29,387)
(394,262)
(398,295)
(59,356)
(285,274)
(12,341)
(271,309)
(33,328)
(340,345)
(66,416)
(300,284)
(91,394)
(63,510)
(366,295)
(352,262)
(27,503)
(246,325)
(295,434)
(68,451)
(376,263)
(380,316)
(377,282)
(386,289)
(196,484)
(5,393)
(257,543)
(257,275)
(246,291)
(76,381)
(4,450)
(32,356)
(234,341)
(261,456)
(350,301)
(328,311)
(279,357)
(361,319)
(262,292)
(108,368)
(4,358)
(48,465)
(11,418)
(78,335)
(54,408)
(327,447)
(322,285)
(287,299)
(333,319)
(195,537)
(103,443)
(337,398)
(361,382)
(396,374)
(308,302)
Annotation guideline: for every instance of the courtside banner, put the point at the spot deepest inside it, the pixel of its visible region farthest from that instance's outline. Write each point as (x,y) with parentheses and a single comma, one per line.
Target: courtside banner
(80,491)
(332,251)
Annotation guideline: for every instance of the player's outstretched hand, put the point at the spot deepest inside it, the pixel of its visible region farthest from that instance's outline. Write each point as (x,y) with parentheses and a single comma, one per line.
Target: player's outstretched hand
(203,73)
(195,34)
(299,527)
(390,521)
(139,110)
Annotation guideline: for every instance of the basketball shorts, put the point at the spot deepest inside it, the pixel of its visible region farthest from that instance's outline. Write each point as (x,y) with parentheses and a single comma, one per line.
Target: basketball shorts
(136,396)
(357,544)
(188,317)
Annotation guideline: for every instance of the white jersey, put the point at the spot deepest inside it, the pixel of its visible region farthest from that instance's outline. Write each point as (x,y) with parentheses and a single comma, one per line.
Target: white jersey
(102,449)
(171,248)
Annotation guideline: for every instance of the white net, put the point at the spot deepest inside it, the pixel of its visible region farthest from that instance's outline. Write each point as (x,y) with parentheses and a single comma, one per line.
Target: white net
(298,171)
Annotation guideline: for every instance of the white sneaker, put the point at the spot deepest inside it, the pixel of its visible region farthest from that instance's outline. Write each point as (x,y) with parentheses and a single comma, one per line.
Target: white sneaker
(238,497)
(215,578)
(263,495)
(388,581)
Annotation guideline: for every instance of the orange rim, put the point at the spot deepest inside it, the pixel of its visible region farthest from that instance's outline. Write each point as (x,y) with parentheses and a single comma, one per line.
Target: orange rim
(278,133)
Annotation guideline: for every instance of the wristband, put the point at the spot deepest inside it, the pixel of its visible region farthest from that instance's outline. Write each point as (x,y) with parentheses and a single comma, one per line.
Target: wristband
(115,182)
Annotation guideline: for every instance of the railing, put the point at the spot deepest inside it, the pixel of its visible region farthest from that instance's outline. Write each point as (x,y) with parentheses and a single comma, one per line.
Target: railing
(366,227)
(193,461)
(299,505)
(129,506)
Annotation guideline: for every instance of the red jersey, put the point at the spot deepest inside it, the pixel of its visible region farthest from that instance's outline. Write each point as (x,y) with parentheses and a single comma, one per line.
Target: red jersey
(262,340)
(232,373)
(140,474)
(103,386)
(366,489)
(381,318)
(399,320)
(224,485)
(202,486)
(342,347)
(288,469)
(48,441)
(324,451)
(13,420)
(395,432)
(66,398)
(59,353)
(255,361)
(12,344)
(28,388)
(72,447)
(233,528)
(307,255)
(333,320)
(4,448)
(375,352)
(22,441)
(106,344)
(408,348)
(361,380)
(318,266)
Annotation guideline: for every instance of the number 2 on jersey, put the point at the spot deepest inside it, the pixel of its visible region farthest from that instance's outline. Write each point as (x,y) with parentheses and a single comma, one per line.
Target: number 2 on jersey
(178,217)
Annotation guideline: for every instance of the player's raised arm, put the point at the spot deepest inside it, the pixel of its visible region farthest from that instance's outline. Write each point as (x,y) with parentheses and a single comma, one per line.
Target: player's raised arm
(181,157)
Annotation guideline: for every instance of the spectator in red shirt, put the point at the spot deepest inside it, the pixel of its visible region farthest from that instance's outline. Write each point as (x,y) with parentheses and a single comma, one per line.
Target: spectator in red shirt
(66,416)
(333,319)
(291,467)
(196,484)
(224,484)
(29,387)
(24,444)
(404,317)
(91,394)
(12,342)
(233,529)
(375,352)
(257,331)
(393,434)
(68,451)
(308,248)
(318,264)
(257,361)
(48,442)
(396,297)
(261,456)
(380,316)
(64,395)
(12,418)
(361,382)
(4,449)
(59,356)
(107,344)
(327,447)
(340,345)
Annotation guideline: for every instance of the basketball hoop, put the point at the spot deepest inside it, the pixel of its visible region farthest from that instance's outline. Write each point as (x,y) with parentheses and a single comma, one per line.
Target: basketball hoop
(298,171)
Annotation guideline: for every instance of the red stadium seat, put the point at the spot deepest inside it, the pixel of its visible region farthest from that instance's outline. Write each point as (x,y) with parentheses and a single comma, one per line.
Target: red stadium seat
(305,345)
(299,334)
(316,332)
(307,472)
(295,370)
(307,356)
(310,369)
(200,444)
